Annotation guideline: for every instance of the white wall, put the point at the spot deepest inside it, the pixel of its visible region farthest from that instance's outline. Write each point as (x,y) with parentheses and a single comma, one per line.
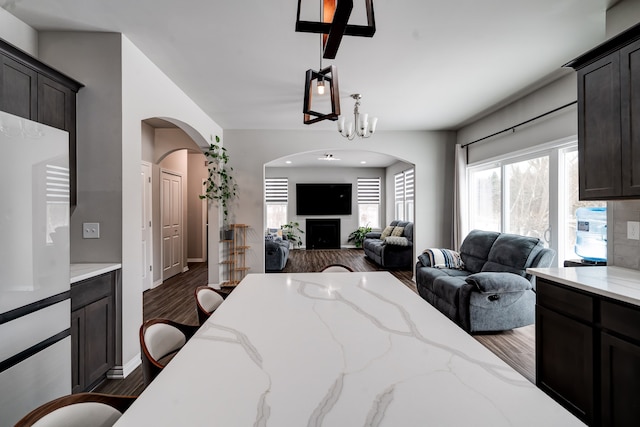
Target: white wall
(123,88)
(556,126)
(432,153)
(18,33)
(348,223)
(622,16)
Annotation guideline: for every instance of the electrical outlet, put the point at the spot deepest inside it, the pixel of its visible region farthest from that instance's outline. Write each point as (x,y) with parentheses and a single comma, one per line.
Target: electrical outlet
(90,230)
(633,230)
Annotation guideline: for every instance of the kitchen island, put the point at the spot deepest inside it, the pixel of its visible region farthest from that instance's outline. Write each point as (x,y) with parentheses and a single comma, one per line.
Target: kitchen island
(337,349)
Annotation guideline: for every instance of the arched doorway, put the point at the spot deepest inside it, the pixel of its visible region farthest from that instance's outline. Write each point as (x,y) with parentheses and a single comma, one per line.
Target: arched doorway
(168,150)
(335,166)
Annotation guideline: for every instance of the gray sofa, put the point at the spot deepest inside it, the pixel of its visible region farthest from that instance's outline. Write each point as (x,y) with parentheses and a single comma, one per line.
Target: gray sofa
(391,253)
(491,291)
(276,253)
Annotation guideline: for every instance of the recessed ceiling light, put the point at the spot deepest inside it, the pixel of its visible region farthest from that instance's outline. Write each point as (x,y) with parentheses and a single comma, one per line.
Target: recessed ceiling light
(288,162)
(363,162)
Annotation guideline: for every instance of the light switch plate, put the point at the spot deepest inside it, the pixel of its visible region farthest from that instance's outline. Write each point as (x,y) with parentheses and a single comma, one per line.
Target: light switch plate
(90,230)
(633,230)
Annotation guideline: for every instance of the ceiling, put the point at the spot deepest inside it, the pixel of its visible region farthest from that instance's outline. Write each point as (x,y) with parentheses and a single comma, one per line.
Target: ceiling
(430,65)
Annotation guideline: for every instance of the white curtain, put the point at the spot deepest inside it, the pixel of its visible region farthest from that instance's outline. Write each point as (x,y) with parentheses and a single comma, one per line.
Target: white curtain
(460,198)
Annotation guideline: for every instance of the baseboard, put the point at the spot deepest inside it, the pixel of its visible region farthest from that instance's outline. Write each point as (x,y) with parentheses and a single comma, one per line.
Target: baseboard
(196,260)
(121,372)
(185,268)
(156,284)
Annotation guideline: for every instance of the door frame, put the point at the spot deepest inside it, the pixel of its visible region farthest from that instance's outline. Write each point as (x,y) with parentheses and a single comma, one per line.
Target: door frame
(147,206)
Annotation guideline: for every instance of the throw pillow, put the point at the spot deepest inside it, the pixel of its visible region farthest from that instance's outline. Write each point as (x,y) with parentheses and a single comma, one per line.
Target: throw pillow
(386,232)
(396,240)
(444,258)
(397,231)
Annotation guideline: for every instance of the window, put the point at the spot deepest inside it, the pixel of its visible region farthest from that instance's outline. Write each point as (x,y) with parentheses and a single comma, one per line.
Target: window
(569,202)
(404,195)
(511,196)
(369,202)
(532,194)
(276,195)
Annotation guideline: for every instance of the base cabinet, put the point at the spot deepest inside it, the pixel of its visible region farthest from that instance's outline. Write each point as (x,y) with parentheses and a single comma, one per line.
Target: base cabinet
(620,363)
(588,354)
(564,367)
(92,331)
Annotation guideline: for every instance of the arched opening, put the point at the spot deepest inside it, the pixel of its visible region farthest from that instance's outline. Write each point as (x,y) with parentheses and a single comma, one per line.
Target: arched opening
(174,218)
(335,166)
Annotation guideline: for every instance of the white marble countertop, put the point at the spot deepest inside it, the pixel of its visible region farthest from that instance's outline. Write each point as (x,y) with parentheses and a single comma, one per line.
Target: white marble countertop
(337,349)
(83,271)
(622,284)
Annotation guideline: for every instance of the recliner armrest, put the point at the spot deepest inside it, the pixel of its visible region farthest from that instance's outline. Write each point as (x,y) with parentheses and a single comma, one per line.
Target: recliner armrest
(499,282)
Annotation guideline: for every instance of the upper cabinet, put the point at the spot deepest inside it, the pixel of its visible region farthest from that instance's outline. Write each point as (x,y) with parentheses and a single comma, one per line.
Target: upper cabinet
(609,118)
(35,91)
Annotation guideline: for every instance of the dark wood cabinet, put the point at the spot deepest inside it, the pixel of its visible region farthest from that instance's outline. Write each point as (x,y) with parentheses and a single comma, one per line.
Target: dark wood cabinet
(609,118)
(18,88)
(564,348)
(92,330)
(35,91)
(588,354)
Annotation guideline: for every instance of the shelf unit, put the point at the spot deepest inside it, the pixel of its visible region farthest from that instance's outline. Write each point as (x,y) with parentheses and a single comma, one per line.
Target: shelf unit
(235,250)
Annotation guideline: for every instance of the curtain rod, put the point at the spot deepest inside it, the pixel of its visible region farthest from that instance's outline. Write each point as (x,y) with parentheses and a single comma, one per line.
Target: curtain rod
(513,128)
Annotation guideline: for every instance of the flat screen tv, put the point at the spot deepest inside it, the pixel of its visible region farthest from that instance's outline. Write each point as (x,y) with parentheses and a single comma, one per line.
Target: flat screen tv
(323,199)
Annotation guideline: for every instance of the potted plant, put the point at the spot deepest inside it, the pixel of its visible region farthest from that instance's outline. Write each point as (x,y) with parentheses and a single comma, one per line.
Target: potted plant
(357,236)
(292,232)
(221,186)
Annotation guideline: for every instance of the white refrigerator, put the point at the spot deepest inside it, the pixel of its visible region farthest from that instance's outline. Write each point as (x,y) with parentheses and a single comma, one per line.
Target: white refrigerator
(35,306)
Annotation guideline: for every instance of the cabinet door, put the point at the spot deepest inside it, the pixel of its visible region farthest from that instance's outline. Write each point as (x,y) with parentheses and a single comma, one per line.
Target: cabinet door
(77,351)
(564,361)
(599,144)
(620,376)
(99,352)
(57,108)
(18,89)
(630,110)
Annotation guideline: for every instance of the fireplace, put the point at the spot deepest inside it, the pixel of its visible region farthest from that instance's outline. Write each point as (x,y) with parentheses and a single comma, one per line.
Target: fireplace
(323,234)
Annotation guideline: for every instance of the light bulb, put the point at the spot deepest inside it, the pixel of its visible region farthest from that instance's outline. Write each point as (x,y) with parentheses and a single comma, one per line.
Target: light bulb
(320,87)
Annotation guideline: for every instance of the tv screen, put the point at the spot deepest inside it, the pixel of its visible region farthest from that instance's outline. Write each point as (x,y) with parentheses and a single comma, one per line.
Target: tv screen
(323,199)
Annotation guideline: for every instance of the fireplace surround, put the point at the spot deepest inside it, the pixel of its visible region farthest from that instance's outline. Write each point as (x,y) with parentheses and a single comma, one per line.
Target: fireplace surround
(323,233)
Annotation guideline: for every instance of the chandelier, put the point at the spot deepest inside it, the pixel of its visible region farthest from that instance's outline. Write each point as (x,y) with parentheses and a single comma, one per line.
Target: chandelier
(364,127)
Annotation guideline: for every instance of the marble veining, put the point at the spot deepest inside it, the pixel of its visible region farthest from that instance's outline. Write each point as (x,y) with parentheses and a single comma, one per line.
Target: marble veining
(339,349)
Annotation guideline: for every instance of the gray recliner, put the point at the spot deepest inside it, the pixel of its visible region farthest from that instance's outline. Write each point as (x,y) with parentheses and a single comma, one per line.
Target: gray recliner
(492,291)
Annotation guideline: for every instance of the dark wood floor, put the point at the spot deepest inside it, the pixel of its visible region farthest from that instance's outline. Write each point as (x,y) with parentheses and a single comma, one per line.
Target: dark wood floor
(174,300)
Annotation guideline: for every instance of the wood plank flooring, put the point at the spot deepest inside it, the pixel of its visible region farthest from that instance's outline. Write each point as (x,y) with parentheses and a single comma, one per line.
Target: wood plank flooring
(174,300)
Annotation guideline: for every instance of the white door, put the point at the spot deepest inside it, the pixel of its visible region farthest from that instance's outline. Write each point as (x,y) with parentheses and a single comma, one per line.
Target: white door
(145,224)
(171,197)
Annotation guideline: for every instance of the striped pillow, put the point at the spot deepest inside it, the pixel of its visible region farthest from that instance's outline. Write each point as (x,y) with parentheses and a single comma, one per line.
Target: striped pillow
(444,258)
